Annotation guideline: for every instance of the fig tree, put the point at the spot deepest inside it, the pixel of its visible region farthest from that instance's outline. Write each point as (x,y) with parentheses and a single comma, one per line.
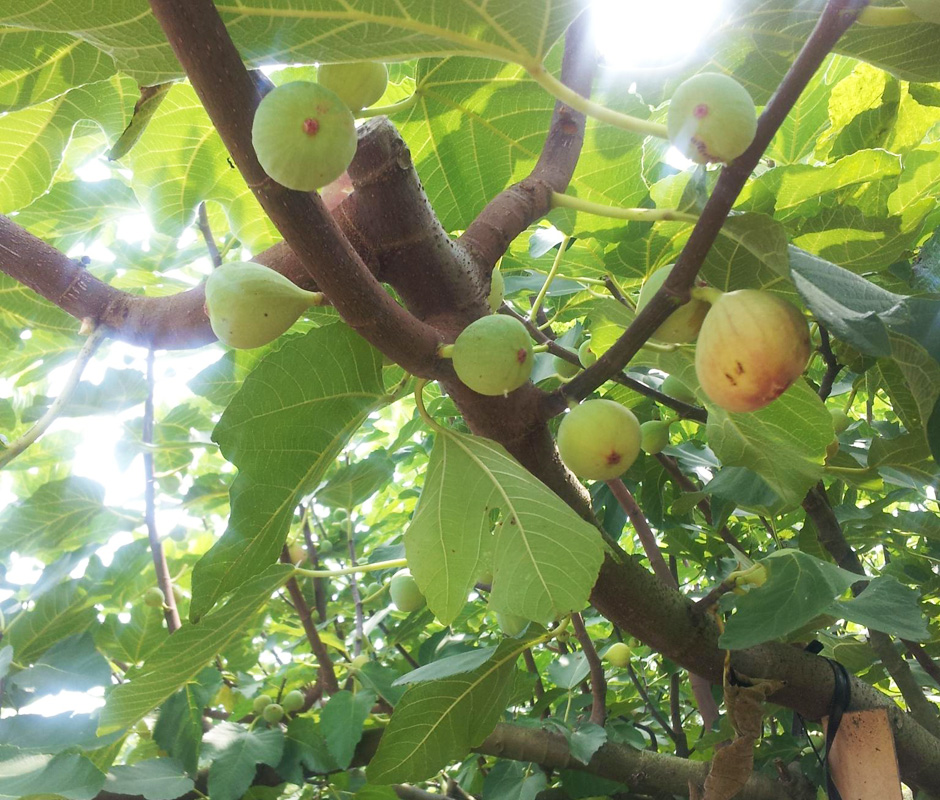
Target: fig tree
(683,324)
(618,655)
(358,85)
(751,349)
(511,624)
(599,439)
(250,305)
(497,290)
(654,436)
(493,355)
(586,355)
(293,701)
(260,703)
(676,389)
(273,712)
(927,10)
(154,597)
(304,135)
(405,593)
(711,118)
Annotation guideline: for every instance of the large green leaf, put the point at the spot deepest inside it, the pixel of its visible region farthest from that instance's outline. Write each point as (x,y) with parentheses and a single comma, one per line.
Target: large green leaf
(283,432)
(544,557)
(154,779)
(64,611)
(181,657)
(67,775)
(235,751)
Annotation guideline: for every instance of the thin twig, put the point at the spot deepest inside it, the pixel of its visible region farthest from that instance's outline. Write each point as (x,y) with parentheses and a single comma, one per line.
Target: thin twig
(354,588)
(530,665)
(833,366)
(319,584)
(206,231)
(598,681)
(164,581)
(643,531)
(653,708)
(675,712)
(42,424)
(926,662)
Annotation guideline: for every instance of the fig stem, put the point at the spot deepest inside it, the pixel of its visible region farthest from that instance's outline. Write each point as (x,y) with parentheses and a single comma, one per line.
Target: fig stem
(389,110)
(394,563)
(445,351)
(882,17)
(560,200)
(540,348)
(555,87)
(708,294)
(537,303)
(656,347)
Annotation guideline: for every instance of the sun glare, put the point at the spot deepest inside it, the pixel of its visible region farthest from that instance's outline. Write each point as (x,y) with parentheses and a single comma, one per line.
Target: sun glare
(638,33)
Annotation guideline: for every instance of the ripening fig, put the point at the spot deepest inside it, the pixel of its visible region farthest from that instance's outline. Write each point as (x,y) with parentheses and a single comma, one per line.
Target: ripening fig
(250,305)
(927,10)
(564,369)
(154,597)
(497,290)
(304,135)
(618,655)
(751,349)
(511,624)
(273,712)
(493,355)
(586,355)
(293,701)
(405,593)
(711,118)
(358,85)
(654,436)
(683,324)
(599,439)
(840,420)
(676,389)
(261,702)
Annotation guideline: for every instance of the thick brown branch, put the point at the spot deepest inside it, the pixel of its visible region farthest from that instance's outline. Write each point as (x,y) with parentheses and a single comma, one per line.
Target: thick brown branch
(230,96)
(598,681)
(836,18)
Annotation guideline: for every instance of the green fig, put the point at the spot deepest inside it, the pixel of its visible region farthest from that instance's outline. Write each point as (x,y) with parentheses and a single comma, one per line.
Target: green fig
(261,702)
(711,118)
(927,10)
(497,290)
(293,701)
(273,712)
(586,355)
(564,369)
(304,135)
(154,597)
(676,389)
(493,356)
(654,436)
(599,439)
(405,593)
(751,349)
(618,655)
(358,85)
(683,324)
(840,420)
(250,305)
(511,624)
(324,547)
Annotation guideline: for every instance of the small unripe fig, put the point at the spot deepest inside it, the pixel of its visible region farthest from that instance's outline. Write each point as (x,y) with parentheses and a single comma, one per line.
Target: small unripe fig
(832,448)
(599,439)
(511,624)
(273,712)
(405,593)
(654,436)
(250,305)
(154,597)
(618,655)
(683,324)
(260,703)
(840,420)
(297,553)
(565,369)
(586,355)
(304,135)
(676,389)
(358,85)
(493,355)
(751,349)
(928,10)
(324,547)
(497,290)
(293,701)
(711,118)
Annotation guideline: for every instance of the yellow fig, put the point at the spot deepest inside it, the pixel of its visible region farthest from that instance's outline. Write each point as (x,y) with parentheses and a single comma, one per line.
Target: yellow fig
(599,439)
(618,655)
(250,305)
(654,436)
(405,593)
(683,324)
(493,355)
(711,118)
(751,349)
(358,85)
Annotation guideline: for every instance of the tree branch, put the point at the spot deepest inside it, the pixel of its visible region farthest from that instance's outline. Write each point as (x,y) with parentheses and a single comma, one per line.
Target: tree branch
(598,681)
(836,18)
